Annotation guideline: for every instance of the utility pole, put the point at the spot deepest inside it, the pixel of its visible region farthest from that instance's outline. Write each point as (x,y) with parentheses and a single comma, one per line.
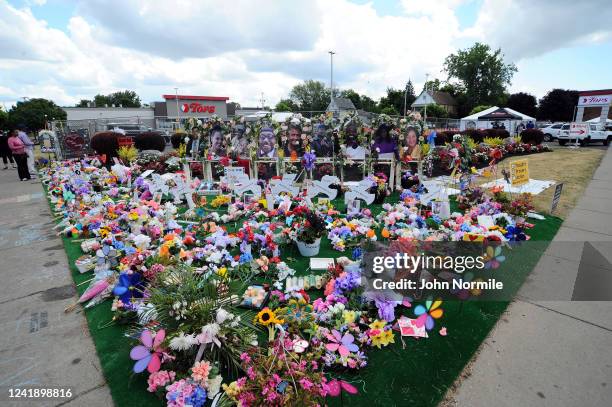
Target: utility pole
(425,114)
(331,74)
(263,101)
(178,113)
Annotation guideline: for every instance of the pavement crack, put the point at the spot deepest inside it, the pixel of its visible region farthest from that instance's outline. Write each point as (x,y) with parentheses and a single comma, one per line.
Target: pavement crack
(567,315)
(63,403)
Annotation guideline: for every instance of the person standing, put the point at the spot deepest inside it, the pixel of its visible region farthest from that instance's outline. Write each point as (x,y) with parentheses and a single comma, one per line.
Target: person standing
(5,151)
(29,150)
(19,153)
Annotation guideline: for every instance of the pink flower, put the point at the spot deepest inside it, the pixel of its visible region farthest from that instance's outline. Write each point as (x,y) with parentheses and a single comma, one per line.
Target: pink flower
(159,379)
(245,357)
(200,372)
(306,383)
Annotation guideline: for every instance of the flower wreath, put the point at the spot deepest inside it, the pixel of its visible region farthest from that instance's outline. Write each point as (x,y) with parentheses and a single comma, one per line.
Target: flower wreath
(299,121)
(350,119)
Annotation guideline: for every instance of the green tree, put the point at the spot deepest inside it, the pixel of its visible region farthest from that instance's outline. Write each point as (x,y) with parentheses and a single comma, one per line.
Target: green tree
(33,112)
(433,84)
(524,103)
(558,105)
(390,110)
(394,99)
(102,100)
(368,104)
(124,98)
(83,103)
(482,72)
(310,96)
(4,119)
(479,108)
(435,110)
(285,105)
(409,96)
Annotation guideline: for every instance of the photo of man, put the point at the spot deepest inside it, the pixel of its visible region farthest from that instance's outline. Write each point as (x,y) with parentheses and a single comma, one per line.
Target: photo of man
(266,146)
(322,143)
(293,145)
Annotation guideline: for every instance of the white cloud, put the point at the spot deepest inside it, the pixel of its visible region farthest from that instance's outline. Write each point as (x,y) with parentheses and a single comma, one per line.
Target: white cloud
(242,48)
(527,28)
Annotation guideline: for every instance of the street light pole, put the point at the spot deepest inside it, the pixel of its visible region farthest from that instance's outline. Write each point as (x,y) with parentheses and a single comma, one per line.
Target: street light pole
(178,115)
(425,113)
(331,74)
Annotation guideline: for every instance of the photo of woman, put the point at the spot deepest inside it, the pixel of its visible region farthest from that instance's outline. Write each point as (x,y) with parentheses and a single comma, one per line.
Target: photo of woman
(217,142)
(239,141)
(412,151)
(384,144)
(322,143)
(293,143)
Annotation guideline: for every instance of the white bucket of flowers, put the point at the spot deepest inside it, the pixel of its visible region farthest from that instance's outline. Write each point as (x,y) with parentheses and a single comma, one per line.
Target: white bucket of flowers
(309,249)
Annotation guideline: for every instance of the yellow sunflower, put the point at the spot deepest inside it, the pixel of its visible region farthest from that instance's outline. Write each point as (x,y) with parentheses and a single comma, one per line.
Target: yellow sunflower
(267,317)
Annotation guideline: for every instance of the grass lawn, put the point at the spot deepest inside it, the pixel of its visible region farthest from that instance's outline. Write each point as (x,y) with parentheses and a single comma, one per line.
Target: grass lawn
(573,167)
(418,375)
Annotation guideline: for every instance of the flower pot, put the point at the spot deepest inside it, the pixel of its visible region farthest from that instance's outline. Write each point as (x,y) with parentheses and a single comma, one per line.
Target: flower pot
(379,196)
(309,249)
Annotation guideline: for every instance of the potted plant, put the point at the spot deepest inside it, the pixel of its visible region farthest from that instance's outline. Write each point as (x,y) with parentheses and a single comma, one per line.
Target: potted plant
(409,180)
(379,187)
(308,234)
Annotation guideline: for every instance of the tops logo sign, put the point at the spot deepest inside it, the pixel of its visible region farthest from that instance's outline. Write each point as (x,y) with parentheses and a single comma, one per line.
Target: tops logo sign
(600,100)
(196,107)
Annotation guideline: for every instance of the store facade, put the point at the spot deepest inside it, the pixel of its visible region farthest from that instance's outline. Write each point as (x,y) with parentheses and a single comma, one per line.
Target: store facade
(183,106)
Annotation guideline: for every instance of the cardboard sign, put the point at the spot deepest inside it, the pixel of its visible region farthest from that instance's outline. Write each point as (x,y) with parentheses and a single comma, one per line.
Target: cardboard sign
(578,130)
(519,172)
(323,187)
(360,191)
(556,197)
(284,185)
(231,174)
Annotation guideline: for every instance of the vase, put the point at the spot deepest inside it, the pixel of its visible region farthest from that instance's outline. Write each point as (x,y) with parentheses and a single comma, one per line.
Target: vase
(309,249)
(379,196)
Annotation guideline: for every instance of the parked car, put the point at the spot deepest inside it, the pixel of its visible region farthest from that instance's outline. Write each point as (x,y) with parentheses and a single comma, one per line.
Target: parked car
(594,134)
(130,129)
(551,131)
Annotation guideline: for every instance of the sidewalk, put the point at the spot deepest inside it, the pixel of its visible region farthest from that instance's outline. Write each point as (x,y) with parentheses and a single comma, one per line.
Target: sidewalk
(40,346)
(555,353)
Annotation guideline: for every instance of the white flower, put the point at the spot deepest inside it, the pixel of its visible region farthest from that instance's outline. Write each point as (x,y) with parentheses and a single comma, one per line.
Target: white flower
(142,241)
(223,315)
(209,334)
(182,342)
(214,385)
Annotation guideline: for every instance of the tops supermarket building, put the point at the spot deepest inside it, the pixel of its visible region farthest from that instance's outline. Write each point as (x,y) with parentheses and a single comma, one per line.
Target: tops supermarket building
(162,115)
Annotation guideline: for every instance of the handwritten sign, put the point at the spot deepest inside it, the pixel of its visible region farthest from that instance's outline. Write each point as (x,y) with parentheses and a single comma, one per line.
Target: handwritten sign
(231,174)
(556,197)
(360,191)
(323,187)
(286,185)
(519,172)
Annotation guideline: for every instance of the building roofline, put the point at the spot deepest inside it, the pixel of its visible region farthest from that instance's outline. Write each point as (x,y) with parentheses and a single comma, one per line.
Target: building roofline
(595,92)
(189,97)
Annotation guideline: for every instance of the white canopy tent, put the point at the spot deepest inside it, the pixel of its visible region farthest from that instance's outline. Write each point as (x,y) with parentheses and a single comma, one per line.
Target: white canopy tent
(473,121)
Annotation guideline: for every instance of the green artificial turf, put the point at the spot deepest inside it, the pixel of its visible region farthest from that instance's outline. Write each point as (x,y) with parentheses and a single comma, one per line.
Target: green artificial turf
(418,375)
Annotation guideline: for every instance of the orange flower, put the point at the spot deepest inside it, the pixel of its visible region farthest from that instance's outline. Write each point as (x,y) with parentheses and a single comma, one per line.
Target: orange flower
(371,233)
(385,233)
(169,237)
(164,251)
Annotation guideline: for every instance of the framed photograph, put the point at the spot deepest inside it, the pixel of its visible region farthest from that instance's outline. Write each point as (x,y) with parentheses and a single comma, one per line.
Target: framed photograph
(266,144)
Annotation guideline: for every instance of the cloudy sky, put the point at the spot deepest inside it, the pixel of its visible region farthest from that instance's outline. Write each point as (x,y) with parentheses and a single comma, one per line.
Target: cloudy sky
(70,50)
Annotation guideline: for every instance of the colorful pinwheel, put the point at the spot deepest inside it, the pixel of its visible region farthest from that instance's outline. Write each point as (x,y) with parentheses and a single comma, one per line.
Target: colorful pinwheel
(148,355)
(335,387)
(343,344)
(428,313)
(494,257)
(515,234)
(129,286)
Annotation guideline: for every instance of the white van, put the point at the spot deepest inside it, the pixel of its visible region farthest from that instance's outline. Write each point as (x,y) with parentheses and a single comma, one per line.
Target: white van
(592,134)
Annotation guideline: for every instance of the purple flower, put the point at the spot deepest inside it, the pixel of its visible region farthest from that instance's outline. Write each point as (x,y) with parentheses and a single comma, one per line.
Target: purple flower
(386,309)
(308,160)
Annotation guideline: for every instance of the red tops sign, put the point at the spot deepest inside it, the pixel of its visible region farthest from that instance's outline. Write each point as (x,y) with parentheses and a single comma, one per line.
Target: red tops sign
(196,107)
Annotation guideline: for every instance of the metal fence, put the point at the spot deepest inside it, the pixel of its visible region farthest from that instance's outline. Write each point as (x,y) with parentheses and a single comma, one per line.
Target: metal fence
(74,135)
